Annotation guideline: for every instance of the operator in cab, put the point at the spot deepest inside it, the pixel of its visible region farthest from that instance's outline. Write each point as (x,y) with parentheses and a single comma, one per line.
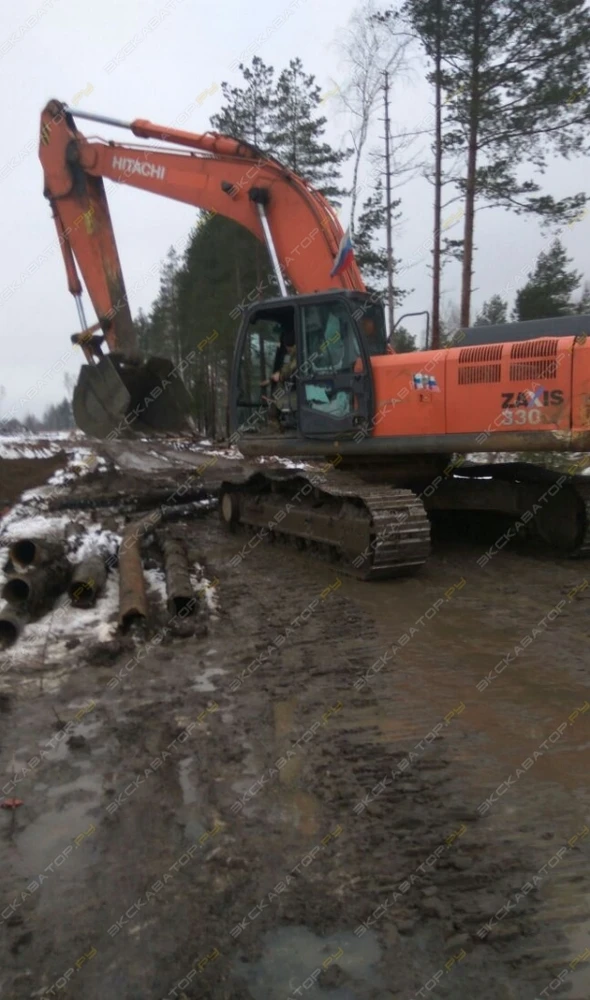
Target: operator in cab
(285,362)
(283,397)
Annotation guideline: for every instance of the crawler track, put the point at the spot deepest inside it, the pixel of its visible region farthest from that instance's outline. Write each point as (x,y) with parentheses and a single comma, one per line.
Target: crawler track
(583,548)
(370,532)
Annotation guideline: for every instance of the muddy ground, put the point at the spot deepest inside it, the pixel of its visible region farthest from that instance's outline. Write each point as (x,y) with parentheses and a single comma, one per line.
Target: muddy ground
(20,474)
(276,804)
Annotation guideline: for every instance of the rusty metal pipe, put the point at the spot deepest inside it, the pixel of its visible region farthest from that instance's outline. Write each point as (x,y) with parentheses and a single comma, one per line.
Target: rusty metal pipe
(35,552)
(88,580)
(133,606)
(181,598)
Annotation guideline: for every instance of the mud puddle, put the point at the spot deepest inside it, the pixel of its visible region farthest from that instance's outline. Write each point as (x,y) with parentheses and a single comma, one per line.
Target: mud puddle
(295,960)
(512,657)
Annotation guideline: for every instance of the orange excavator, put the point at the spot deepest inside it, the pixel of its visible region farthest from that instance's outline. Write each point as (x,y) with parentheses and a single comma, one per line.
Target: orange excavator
(386,426)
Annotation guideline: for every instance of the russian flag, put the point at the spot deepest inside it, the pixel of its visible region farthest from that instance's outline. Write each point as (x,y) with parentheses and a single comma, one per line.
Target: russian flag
(344,256)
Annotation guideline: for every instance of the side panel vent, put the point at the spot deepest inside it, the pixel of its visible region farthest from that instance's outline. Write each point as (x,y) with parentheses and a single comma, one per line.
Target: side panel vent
(488,352)
(480,373)
(533,371)
(535,349)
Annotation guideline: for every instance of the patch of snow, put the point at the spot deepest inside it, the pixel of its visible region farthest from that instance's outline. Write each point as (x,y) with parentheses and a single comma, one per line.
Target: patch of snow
(17,524)
(64,435)
(203,681)
(187,444)
(141,462)
(231,453)
(17,438)
(288,463)
(8,451)
(36,494)
(61,478)
(97,541)
(156,579)
(105,631)
(205,589)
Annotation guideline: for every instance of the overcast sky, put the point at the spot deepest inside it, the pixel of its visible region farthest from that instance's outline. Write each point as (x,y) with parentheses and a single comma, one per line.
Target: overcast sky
(69,50)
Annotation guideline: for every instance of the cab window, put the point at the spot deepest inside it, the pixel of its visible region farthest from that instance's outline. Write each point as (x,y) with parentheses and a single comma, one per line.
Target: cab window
(330,341)
(262,354)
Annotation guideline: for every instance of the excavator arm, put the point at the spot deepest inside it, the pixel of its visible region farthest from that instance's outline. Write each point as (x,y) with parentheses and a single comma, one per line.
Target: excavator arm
(214,172)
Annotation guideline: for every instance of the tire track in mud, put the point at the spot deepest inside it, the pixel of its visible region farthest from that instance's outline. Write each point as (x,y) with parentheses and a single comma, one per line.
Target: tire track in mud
(296,857)
(492,872)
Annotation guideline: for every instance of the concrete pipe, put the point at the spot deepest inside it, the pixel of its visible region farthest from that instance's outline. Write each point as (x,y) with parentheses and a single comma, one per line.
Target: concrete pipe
(28,552)
(88,580)
(11,626)
(33,591)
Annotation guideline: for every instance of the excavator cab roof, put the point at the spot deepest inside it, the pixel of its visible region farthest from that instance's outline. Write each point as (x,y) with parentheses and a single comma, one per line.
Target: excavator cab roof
(313,298)
(275,308)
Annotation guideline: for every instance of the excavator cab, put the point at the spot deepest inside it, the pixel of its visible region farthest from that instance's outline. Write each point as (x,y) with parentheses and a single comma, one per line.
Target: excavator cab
(327,390)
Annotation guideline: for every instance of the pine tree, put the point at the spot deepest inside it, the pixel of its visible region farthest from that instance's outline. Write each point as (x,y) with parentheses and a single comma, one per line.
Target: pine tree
(164,334)
(143,329)
(248,110)
(298,132)
(517,74)
(403,341)
(429,20)
(58,417)
(32,424)
(583,303)
(494,311)
(217,277)
(550,286)
(200,302)
(369,252)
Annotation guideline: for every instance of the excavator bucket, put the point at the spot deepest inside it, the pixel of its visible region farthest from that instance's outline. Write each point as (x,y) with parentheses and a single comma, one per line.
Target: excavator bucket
(119,398)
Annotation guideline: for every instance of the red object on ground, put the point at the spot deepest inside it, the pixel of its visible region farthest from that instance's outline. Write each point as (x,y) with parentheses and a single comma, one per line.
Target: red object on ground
(10,803)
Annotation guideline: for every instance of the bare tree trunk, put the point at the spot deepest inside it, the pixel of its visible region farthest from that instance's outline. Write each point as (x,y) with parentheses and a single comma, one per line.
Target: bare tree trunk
(370,46)
(359,140)
(436,261)
(389,220)
(468,232)
(210,371)
(470,183)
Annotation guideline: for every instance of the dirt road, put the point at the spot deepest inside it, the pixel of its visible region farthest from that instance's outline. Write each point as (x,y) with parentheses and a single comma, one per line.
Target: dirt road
(328,789)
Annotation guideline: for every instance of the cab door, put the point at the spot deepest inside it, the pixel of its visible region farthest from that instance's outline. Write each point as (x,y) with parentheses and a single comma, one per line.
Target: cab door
(334,377)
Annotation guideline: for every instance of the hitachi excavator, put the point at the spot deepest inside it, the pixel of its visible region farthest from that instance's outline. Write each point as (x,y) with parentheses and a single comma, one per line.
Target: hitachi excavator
(390,429)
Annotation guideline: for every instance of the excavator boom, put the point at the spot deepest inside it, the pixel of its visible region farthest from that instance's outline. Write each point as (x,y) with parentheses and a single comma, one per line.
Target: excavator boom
(213,172)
